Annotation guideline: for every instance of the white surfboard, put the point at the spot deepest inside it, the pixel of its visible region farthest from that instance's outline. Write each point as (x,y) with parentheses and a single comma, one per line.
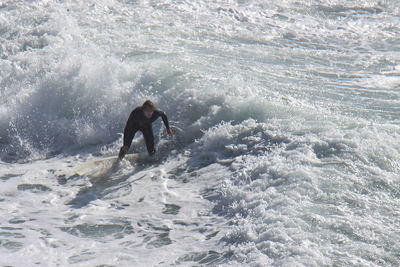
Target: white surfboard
(102,166)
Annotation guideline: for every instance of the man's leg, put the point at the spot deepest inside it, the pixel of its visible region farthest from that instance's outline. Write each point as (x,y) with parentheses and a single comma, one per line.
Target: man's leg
(149,139)
(122,151)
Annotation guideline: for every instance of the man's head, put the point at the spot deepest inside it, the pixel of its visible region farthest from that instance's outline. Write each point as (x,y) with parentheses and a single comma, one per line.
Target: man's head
(148,108)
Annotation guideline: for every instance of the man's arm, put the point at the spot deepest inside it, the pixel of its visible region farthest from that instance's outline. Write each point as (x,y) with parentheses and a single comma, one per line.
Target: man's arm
(165,120)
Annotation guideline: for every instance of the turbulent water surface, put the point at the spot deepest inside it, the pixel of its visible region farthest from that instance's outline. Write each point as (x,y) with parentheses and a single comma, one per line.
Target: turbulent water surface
(286,118)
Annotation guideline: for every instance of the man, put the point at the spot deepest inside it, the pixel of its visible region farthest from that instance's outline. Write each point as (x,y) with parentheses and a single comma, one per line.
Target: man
(141,119)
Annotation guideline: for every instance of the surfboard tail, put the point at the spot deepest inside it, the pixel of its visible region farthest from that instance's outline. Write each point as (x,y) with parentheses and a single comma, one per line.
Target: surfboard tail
(100,166)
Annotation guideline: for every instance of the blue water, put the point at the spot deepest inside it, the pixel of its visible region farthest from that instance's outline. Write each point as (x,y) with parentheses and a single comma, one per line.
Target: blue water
(286,119)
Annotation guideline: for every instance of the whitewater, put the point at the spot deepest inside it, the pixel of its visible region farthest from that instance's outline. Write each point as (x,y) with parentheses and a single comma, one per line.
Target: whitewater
(286,117)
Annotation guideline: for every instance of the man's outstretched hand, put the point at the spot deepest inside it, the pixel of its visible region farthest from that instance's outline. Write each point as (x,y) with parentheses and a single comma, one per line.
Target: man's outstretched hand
(169,131)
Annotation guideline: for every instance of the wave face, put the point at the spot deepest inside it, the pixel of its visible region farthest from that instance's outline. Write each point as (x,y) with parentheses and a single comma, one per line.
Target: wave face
(286,119)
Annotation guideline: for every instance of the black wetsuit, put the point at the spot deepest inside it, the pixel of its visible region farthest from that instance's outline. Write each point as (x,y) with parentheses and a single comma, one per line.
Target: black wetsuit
(138,122)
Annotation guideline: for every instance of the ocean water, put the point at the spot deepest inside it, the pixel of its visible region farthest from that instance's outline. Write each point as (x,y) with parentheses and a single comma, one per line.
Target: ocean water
(286,117)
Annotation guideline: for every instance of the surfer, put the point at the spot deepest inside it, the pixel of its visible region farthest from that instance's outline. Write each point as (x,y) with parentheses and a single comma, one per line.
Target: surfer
(141,119)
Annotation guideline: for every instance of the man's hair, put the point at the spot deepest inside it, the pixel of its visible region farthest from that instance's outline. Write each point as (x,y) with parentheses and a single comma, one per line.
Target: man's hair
(148,104)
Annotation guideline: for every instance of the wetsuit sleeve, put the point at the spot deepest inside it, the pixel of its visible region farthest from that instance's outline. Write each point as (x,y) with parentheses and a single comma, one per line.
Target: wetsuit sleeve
(164,118)
(129,131)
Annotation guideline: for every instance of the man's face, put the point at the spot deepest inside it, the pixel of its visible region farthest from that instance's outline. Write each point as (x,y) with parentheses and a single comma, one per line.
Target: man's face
(148,112)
